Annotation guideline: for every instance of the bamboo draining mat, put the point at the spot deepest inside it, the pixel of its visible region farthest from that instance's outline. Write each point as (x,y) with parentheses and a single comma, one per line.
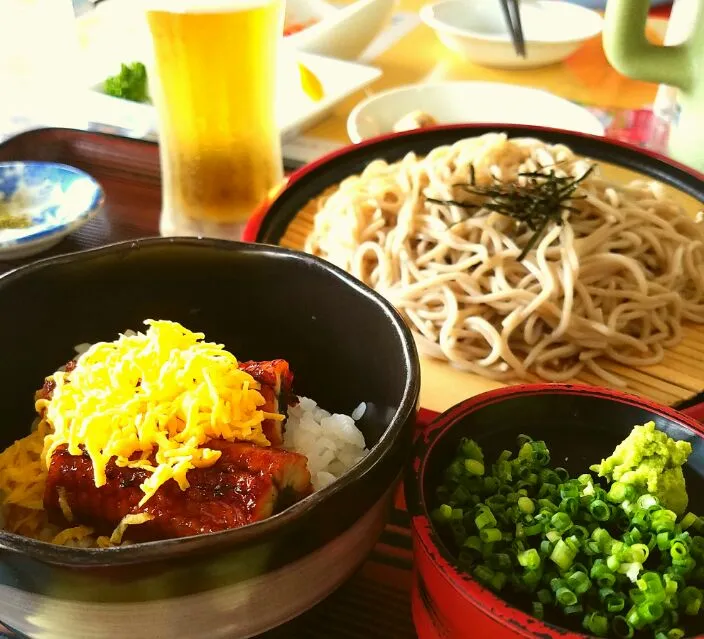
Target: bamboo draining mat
(677,377)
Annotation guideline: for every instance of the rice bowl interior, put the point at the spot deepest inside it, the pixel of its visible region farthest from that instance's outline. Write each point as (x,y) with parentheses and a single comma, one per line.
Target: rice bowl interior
(90,482)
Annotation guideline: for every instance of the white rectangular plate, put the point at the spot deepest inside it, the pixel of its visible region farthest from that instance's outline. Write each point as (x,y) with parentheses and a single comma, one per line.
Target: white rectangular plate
(295,110)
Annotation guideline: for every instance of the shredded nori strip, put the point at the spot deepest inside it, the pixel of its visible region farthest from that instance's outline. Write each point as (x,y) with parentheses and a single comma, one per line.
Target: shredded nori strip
(542,200)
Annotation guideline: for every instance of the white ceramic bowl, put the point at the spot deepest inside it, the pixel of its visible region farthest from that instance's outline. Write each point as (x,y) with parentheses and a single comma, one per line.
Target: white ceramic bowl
(466,102)
(553,30)
(341,33)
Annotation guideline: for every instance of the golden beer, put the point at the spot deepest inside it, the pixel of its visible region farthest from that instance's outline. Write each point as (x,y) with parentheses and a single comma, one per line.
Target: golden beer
(214,83)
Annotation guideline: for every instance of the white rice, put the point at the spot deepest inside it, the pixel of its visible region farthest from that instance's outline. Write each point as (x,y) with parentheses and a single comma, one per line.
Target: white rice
(332,443)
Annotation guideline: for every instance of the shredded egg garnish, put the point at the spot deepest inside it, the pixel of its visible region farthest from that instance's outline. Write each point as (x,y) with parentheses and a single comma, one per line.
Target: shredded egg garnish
(152,401)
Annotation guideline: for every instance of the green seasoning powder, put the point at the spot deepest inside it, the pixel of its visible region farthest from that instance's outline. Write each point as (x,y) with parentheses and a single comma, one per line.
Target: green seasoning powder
(9,221)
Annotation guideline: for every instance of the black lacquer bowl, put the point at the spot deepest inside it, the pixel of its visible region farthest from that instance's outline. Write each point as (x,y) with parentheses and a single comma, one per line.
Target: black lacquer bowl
(345,345)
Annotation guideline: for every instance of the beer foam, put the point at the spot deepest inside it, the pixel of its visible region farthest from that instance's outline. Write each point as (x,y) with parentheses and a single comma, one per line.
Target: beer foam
(204,6)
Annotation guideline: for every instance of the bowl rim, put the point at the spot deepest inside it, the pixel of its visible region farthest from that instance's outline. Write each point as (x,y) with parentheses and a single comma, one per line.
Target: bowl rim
(352,120)
(422,529)
(76,221)
(632,157)
(166,549)
(596,25)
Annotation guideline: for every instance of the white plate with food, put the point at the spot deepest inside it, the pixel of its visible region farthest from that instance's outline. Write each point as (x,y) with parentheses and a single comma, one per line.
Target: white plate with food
(309,88)
(423,105)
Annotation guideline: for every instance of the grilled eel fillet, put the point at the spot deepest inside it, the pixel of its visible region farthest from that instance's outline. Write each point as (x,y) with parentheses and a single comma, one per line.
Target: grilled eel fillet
(276,380)
(247,484)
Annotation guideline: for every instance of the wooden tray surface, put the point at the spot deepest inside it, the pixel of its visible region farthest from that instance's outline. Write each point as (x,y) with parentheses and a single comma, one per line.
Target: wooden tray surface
(374,603)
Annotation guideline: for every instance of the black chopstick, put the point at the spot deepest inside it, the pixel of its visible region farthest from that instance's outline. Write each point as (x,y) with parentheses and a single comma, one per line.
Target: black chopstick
(512,15)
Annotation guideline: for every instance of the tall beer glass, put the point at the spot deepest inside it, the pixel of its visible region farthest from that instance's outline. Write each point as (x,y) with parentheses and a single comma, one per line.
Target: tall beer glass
(213,83)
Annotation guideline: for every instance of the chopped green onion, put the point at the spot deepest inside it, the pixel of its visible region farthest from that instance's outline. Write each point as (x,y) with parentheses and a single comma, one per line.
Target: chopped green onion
(562,555)
(639,553)
(616,561)
(490,535)
(636,596)
(580,532)
(526,505)
(650,611)
(484,574)
(442,514)
(529,559)
(474,467)
(570,489)
(473,543)
(565,596)
(553,536)
(634,619)
(471,450)
(651,584)
(678,551)
(501,561)
(601,574)
(561,522)
(596,624)
(622,628)
(613,563)
(647,501)
(691,600)
(579,582)
(485,519)
(498,581)
(575,609)
(585,479)
(569,505)
(616,603)
(663,521)
(600,510)
(531,579)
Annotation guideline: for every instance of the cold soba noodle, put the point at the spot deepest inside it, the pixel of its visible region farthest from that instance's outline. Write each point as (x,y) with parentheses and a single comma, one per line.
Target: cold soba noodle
(616,278)
(215,77)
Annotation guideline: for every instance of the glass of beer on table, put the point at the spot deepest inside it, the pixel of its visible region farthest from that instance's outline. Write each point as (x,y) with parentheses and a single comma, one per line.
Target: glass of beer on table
(213,82)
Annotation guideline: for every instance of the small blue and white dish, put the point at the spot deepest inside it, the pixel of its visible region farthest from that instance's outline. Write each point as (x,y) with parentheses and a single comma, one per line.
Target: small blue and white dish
(41,203)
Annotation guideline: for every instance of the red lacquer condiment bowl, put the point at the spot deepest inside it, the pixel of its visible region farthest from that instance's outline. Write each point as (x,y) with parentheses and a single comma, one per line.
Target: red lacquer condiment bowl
(580,425)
